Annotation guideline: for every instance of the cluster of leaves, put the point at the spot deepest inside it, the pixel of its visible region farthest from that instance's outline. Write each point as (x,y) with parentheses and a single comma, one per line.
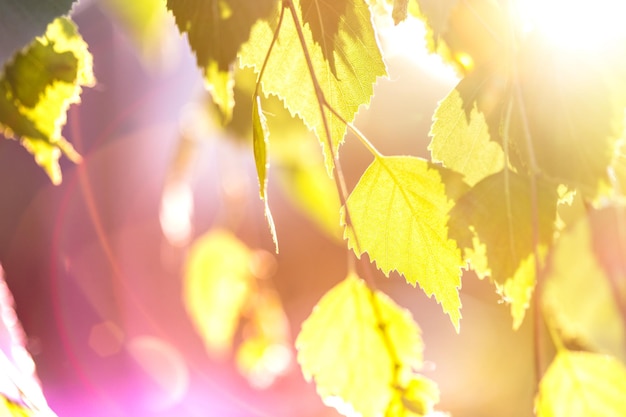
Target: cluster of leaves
(524,173)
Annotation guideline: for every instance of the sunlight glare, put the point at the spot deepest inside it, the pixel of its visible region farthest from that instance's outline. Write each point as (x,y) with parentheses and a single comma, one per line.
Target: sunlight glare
(574,24)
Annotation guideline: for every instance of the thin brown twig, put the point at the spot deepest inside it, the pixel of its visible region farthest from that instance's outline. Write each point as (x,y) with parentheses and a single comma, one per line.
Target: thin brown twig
(341,185)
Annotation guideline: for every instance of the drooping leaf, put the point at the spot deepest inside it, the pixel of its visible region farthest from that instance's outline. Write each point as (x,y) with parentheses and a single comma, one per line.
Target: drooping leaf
(581,384)
(357,62)
(216,29)
(398,214)
(462,142)
(342,346)
(22,20)
(578,297)
(217,284)
(498,213)
(37,87)
(260,143)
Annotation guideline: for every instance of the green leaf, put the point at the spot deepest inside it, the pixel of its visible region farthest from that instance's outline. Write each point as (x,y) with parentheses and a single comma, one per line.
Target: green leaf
(22,20)
(578,297)
(342,346)
(462,142)
(216,29)
(582,384)
(399,213)
(260,143)
(494,220)
(37,87)
(217,284)
(357,64)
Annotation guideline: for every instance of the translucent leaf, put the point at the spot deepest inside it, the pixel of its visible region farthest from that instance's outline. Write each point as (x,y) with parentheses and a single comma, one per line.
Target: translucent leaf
(578,297)
(36,88)
(342,347)
(216,29)
(399,214)
(217,284)
(462,142)
(497,213)
(260,143)
(417,399)
(357,64)
(22,20)
(581,384)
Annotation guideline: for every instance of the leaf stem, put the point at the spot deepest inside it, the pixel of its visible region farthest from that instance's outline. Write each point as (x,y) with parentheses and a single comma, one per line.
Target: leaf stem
(360,136)
(534,172)
(341,185)
(269,51)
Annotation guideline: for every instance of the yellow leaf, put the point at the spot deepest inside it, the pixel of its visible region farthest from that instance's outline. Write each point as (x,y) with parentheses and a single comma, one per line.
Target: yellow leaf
(398,215)
(494,222)
(37,87)
(578,296)
(342,347)
(260,143)
(582,384)
(346,66)
(461,141)
(217,284)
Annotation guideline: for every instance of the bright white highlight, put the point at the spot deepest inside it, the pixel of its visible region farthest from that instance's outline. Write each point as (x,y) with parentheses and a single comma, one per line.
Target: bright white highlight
(575,24)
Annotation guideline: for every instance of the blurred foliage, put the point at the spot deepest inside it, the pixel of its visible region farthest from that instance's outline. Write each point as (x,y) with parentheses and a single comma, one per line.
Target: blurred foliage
(37,87)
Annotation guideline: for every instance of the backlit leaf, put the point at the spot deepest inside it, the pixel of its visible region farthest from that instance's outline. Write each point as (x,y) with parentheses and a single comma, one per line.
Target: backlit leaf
(578,297)
(342,347)
(497,213)
(399,213)
(357,64)
(216,29)
(260,143)
(582,384)
(417,399)
(37,87)
(217,284)
(462,142)
(22,20)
